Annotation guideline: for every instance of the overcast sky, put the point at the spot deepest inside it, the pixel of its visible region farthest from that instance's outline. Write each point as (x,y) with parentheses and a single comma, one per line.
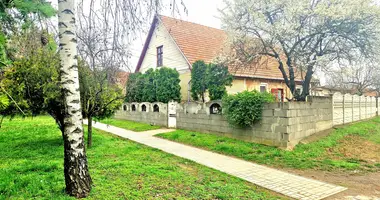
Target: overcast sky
(203,12)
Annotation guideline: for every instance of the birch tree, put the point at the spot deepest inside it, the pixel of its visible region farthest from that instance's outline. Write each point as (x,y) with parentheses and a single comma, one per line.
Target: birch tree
(77,177)
(301,35)
(106,29)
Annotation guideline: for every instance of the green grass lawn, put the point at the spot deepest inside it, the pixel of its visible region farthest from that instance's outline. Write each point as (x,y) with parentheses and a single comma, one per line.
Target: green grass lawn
(129,125)
(31,167)
(353,147)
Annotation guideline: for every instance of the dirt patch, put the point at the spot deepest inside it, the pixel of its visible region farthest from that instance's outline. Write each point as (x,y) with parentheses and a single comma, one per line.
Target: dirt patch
(365,184)
(356,147)
(358,182)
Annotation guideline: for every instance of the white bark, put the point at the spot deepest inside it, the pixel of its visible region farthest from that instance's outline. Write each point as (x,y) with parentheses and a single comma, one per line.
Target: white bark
(77,178)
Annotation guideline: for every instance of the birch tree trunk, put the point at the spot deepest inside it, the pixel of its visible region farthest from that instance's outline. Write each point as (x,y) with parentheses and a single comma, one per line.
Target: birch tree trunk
(77,177)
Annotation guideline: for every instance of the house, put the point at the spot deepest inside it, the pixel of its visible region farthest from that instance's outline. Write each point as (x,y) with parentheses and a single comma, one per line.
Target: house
(121,79)
(178,44)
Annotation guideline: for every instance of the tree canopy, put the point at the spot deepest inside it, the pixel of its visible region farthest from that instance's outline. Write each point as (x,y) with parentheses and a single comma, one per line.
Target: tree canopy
(302,35)
(160,85)
(16,16)
(211,78)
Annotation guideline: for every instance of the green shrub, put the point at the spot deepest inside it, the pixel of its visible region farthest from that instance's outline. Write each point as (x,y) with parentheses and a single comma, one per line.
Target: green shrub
(167,85)
(245,108)
(218,77)
(154,85)
(134,88)
(198,80)
(209,77)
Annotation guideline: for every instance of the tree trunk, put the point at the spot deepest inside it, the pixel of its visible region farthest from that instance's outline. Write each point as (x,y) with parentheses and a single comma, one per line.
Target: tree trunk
(306,84)
(77,177)
(1,120)
(89,132)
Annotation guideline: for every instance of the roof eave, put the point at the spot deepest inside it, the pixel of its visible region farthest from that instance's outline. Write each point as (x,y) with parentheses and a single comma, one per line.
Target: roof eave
(147,41)
(263,77)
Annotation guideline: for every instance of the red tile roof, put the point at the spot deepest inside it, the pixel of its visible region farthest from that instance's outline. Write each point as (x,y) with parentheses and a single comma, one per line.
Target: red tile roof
(198,42)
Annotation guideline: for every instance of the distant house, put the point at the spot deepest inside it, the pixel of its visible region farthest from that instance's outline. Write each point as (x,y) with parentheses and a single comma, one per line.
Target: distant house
(121,79)
(329,90)
(178,44)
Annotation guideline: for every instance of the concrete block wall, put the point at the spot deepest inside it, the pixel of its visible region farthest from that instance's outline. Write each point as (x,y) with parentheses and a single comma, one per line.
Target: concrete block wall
(282,124)
(149,116)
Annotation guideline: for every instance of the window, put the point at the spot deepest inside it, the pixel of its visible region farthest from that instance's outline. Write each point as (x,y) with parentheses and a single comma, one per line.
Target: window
(159,56)
(133,108)
(263,87)
(125,107)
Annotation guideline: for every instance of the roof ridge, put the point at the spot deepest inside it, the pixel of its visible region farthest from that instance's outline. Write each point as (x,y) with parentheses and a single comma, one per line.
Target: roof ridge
(172,18)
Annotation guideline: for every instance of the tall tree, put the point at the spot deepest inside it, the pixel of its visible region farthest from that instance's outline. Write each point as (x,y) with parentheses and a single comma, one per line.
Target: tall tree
(16,16)
(77,177)
(134,86)
(356,77)
(211,78)
(198,80)
(302,35)
(218,77)
(167,85)
(149,88)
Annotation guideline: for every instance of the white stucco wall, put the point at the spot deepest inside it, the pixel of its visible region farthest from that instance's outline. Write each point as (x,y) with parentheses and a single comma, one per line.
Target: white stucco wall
(172,56)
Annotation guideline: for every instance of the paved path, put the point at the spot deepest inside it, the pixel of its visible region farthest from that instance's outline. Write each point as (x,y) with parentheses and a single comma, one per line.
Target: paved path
(285,183)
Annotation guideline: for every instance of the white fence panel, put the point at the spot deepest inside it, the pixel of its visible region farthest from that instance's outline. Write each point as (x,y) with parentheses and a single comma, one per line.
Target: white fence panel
(368,107)
(362,107)
(356,107)
(350,108)
(347,107)
(338,109)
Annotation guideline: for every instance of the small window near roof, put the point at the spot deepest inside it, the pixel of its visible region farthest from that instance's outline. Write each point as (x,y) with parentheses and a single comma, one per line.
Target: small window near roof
(160,56)
(263,87)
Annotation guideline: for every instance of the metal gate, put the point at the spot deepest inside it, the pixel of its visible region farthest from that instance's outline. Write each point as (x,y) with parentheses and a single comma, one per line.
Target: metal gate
(172,114)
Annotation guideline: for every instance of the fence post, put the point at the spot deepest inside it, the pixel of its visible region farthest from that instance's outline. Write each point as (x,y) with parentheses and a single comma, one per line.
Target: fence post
(366,113)
(344,109)
(360,107)
(377,106)
(352,108)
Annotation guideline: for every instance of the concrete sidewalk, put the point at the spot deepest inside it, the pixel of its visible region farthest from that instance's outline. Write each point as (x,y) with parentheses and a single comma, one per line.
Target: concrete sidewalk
(282,182)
